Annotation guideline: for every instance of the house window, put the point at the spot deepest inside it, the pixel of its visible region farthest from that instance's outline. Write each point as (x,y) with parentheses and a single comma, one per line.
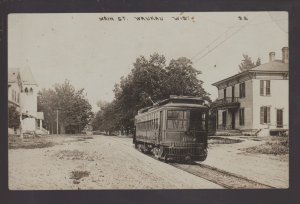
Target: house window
(12,94)
(242,116)
(26,90)
(225,93)
(265,87)
(242,90)
(264,114)
(279,118)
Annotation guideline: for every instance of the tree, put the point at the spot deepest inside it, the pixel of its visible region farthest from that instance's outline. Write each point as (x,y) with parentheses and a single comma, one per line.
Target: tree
(101,104)
(182,79)
(74,109)
(13,118)
(106,119)
(153,79)
(258,62)
(247,63)
(47,102)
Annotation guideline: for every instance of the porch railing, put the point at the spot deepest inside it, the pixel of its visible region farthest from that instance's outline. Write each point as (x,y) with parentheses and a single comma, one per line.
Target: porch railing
(226,101)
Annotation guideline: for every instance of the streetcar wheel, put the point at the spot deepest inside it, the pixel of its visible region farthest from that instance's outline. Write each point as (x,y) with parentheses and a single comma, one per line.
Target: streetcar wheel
(166,157)
(204,156)
(188,159)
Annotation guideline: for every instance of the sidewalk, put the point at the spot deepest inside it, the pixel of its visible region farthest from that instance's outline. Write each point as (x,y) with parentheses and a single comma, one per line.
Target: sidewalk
(263,168)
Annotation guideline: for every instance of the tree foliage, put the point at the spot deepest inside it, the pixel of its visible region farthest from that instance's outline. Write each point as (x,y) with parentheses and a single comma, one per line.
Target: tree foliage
(73,108)
(13,117)
(247,63)
(106,119)
(150,80)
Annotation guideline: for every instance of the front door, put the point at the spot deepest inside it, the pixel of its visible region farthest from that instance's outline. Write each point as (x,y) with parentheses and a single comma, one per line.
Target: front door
(232,120)
(279,118)
(224,118)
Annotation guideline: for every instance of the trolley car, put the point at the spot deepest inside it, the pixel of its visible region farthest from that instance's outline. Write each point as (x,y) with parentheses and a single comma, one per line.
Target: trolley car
(173,129)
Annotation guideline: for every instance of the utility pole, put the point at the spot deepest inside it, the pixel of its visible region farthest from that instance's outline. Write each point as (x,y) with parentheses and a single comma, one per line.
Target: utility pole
(57,122)
(21,128)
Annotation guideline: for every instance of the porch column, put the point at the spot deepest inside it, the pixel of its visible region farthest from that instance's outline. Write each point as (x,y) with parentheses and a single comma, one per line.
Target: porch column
(41,124)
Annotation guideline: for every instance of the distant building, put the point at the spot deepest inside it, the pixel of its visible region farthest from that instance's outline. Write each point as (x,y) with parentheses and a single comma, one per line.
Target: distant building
(14,92)
(14,88)
(255,101)
(23,89)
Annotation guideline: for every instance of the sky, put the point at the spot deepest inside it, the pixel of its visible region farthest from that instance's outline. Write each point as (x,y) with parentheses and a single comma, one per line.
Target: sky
(94,53)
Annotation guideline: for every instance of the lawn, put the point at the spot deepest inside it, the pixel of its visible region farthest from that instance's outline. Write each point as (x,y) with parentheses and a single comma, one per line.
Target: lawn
(273,145)
(15,142)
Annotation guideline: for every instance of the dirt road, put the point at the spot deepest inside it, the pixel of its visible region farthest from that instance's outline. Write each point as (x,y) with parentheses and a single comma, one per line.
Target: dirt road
(101,162)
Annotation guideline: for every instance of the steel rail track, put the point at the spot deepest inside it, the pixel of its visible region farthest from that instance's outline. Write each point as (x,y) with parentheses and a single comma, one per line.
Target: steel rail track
(223,178)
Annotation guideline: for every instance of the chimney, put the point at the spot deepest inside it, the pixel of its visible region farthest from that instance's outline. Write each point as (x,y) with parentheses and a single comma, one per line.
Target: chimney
(271,56)
(285,55)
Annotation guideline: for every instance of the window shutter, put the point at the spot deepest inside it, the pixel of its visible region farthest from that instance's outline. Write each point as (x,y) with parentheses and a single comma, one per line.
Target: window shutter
(240,117)
(268,113)
(243,117)
(261,87)
(268,89)
(262,115)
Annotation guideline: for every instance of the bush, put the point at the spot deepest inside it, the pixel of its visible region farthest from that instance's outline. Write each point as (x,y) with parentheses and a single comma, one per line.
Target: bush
(276,146)
(79,174)
(13,117)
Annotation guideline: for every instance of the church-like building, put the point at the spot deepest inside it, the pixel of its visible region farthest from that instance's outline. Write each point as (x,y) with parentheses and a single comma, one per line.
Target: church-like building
(22,93)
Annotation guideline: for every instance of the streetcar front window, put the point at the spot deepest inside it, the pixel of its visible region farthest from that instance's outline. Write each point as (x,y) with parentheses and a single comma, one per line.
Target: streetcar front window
(197,120)
(177,119)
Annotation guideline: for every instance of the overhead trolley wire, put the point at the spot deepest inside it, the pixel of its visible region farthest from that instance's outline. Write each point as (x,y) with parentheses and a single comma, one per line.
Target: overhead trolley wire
(228,37)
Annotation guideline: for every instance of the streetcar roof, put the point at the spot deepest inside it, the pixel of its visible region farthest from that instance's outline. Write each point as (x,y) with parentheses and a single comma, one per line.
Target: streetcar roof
(176,101)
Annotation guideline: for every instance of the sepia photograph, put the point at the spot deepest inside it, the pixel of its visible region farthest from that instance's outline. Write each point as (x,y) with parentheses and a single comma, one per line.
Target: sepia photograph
(158,100)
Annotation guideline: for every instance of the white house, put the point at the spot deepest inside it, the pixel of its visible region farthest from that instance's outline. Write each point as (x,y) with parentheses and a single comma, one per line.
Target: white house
(255,100)
(14,92)
(27,101)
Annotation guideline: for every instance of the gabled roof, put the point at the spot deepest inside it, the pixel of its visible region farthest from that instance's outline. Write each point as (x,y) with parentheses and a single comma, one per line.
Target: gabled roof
(276,66)
(13,75)
(27,77)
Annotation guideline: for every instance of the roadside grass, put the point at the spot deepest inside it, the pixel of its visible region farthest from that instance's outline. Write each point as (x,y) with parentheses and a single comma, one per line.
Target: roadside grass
(79,138)
(15,142)
(83,138)
(88,137)
(77,175)
(273,146)
(73,155)
(222,140)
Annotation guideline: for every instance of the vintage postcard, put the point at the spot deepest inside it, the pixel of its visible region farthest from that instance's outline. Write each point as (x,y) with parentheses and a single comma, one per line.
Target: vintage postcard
(190,100)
